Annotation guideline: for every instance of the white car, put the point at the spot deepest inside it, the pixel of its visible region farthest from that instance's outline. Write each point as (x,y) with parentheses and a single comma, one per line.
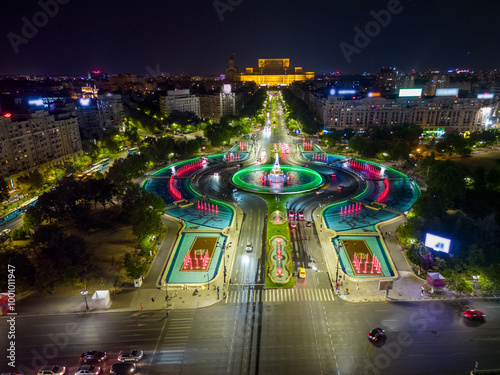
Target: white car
(88,370)
(5,232)
(249,246)
(52,370)
(133,355)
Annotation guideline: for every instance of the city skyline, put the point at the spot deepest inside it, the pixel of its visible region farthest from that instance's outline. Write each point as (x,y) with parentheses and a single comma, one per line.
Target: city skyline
(66,38)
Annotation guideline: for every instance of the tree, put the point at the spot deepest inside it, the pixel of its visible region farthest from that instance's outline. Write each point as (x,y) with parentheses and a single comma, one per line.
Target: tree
(135,267)
(458,284)
(146,223)
(4,190)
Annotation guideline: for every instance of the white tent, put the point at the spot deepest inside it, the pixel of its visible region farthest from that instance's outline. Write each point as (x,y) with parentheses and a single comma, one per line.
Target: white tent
(101,299)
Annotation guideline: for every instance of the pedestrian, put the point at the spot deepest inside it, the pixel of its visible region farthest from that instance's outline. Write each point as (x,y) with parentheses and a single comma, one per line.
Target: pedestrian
(218,290)
(346,290)
(152,299)
(141,306)
(357,286)
(224,295)
(167,313)
(217,294)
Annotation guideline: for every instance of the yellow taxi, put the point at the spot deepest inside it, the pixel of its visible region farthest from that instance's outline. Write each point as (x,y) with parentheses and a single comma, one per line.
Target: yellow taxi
(302,273)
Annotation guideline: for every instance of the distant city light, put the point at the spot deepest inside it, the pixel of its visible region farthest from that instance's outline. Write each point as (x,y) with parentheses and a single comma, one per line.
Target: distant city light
(374,94)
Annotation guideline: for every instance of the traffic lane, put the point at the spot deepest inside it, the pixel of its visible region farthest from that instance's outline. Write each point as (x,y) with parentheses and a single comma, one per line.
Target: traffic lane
(297,338)
(248,263)
(62,339)
(417,330)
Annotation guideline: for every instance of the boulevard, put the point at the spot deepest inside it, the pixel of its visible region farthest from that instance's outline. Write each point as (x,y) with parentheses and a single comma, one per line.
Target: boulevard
(273,338)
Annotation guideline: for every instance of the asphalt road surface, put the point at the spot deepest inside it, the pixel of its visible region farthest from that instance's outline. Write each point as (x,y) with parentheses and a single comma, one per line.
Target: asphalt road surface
(259,337)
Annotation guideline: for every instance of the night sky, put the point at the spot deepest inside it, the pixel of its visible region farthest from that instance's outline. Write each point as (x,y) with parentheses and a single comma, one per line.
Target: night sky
(189,37)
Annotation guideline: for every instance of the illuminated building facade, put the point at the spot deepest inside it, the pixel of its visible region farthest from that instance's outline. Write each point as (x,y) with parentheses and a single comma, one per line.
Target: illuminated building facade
(273,72)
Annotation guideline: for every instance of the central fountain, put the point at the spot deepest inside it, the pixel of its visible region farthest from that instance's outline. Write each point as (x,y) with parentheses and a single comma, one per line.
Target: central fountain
(276,175)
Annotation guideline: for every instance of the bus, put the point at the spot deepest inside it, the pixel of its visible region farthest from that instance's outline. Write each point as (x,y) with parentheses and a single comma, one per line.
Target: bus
(134,150)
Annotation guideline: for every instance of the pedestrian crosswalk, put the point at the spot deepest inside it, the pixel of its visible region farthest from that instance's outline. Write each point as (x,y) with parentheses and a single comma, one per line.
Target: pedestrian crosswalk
(280,295)
(174,343)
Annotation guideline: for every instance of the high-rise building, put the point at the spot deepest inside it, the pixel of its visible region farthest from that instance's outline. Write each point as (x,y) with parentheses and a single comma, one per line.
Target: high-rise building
(274,72)
(180,100)
(111,113)
(30,141)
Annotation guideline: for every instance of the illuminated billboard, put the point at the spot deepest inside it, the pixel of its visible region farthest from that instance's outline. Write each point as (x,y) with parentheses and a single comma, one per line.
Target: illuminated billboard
(404,93)
(446,92)
(226,88)
(486,95)
(437,243)
(342,92)
(84,102)
(374,95)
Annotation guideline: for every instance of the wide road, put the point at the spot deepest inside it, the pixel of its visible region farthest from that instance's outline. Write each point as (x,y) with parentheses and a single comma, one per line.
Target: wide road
(271,333)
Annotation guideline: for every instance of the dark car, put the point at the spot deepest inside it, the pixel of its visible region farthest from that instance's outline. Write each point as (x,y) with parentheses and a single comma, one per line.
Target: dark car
(93,356)
(293,227)
(308,224)
(122,368)
(474,314)
(376,334)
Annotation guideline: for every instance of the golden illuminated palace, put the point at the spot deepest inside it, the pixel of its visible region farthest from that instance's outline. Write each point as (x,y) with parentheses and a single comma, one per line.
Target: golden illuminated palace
(270,72)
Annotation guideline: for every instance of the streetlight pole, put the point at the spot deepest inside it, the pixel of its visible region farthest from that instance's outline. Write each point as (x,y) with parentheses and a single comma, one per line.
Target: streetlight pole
(337,275)
(224,256)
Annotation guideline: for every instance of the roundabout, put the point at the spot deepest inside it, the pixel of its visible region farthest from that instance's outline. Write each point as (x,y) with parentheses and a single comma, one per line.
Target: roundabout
(253,216)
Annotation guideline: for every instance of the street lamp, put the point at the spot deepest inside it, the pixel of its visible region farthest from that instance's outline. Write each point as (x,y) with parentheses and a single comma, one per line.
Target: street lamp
(337,251)
(84,294)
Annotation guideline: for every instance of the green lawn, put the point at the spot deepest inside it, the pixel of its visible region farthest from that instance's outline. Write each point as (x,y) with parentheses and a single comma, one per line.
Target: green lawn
(278,229)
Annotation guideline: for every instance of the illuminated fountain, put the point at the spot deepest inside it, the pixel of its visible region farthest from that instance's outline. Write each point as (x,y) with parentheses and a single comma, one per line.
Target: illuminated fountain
(276,174)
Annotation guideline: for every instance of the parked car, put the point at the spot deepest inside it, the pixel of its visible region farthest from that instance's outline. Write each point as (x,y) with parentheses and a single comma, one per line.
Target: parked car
(320,191)
(88,370)
(121,368)
(376,334)
(132,355)
(93,356)
(52,370)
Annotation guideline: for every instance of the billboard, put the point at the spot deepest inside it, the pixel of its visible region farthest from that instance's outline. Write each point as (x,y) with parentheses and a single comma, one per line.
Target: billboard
(404,93)
(437,243)
(446,92)
(226,88)
(486,95)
